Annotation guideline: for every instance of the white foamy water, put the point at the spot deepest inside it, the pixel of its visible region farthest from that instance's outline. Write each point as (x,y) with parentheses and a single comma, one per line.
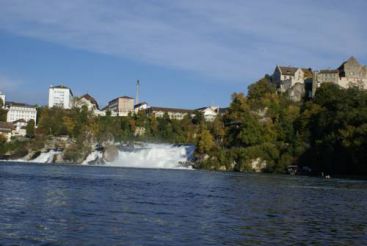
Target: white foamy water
(154,156)
(92,157)
(47,157)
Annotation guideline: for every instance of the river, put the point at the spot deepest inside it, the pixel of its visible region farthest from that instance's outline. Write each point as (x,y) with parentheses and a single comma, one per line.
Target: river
(91,205)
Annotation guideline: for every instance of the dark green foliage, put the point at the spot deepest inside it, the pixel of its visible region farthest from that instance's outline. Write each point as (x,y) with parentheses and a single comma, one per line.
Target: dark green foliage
(81,125)
(328,133)
(261,88)
(30,133)
(336,131)
(16,149)
(3,114)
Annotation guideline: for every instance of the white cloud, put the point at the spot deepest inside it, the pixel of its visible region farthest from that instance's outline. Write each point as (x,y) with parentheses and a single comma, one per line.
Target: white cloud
(228,40)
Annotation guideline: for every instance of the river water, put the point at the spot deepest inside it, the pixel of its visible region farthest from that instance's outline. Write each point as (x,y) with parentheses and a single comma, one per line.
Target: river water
(89,205)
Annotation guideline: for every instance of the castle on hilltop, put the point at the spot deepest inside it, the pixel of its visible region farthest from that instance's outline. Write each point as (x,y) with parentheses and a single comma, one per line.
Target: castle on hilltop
(300,82)
(349,73)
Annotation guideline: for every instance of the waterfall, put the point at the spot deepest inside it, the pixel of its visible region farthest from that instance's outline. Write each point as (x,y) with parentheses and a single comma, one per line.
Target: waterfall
(151,155)
(46,157)
(93,158)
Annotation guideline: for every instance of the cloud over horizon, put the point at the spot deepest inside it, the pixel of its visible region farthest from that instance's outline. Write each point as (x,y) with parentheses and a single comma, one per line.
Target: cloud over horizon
(225,40)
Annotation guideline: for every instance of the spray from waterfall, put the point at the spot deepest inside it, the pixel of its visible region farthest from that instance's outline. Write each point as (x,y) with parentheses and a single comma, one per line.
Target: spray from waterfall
(154,156)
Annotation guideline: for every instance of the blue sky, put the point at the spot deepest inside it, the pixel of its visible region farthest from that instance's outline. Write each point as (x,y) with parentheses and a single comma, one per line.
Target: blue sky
(188,53)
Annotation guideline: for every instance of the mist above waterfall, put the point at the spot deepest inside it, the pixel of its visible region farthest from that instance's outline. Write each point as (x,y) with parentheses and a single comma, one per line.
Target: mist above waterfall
(149,155)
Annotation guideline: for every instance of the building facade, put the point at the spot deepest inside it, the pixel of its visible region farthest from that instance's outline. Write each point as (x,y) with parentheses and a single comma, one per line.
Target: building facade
(173,113)
(121,106)
(90,103)
(209,113)
(349,73)
(6,130)
(60,96)
(20,128)
(20,111)
(285,77)
(140,106)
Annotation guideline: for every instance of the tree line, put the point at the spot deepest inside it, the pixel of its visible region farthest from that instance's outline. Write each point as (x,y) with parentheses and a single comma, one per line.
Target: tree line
(325,134)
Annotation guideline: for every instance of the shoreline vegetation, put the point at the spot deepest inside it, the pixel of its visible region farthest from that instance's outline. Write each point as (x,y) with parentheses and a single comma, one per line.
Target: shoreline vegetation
(263,132)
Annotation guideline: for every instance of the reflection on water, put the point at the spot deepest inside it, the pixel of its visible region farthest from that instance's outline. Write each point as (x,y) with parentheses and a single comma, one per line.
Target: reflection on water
(67,205)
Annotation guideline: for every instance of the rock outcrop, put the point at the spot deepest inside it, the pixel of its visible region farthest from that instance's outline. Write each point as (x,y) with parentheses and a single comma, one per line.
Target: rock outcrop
(111,153)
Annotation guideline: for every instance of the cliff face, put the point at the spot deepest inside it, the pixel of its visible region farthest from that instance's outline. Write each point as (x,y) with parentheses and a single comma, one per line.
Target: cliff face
(297,92)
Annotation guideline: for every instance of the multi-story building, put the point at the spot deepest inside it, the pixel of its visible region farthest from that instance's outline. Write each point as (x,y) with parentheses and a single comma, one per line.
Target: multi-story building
(60,96)
(20,111)
(349,73)
(121,106)
(20,128)
(87,101)
(209,113)
(90,103)
(285,78)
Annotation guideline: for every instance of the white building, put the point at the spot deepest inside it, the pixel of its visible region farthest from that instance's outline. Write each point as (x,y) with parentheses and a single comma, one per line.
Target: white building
(90,103)
(20,128)
(21,111)
(173,113)
(140,106)
(286,77)
(209,113)
(60,96)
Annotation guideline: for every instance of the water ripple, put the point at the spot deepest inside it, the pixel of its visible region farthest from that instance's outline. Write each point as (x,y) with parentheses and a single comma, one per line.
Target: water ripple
(73,205)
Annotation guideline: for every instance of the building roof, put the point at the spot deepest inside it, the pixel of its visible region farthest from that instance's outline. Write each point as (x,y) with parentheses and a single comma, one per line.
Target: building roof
(61,87)
(287,70)
(307,72)
(329,71)
(140,104)
(20,121)
(91,99)
(6,127)
(208,107)
(124,97)
(292,70)
(351,60)
(172,110)
(16,104)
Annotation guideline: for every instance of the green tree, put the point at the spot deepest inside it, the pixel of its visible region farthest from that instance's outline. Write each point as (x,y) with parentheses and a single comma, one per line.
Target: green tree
(261,88)
(205,141)
(30,133)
